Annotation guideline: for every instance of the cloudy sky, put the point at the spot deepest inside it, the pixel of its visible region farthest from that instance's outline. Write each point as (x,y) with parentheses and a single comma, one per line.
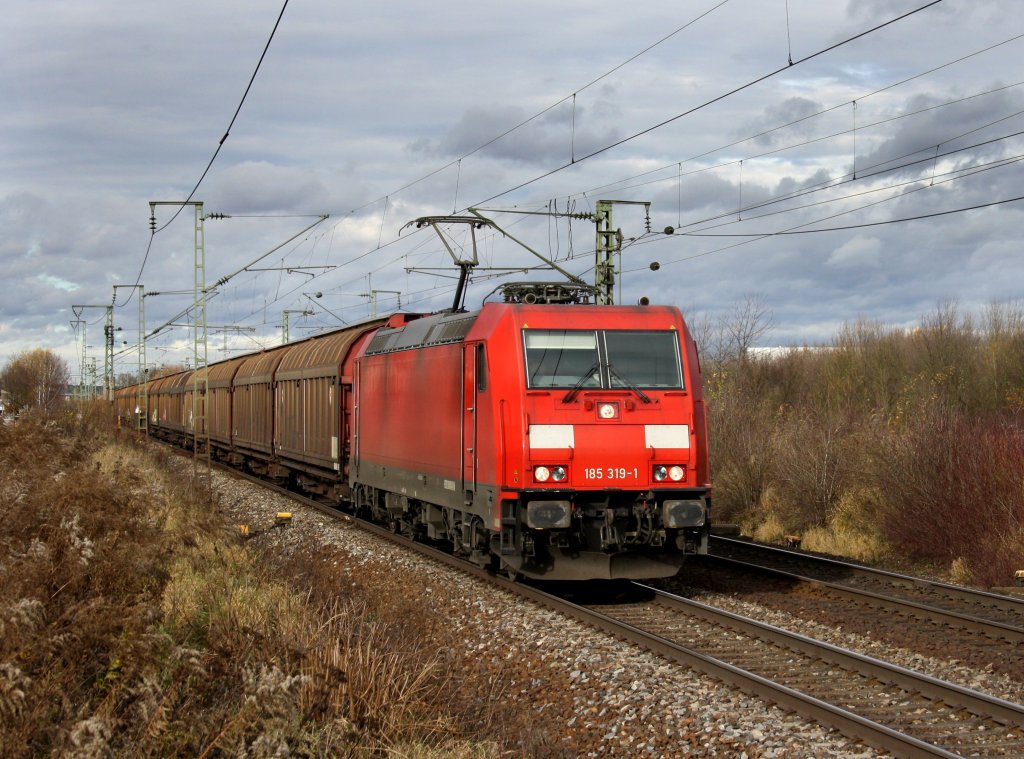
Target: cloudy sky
(749,125)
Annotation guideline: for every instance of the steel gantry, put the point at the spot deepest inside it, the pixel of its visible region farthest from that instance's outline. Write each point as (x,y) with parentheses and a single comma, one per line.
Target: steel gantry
(285,336)
(201,376)
(141,394)
(609,242)
(79,324)
(108,352)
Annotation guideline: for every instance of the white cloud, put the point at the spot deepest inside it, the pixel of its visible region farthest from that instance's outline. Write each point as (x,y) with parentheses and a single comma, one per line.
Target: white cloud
(860,252)
(358,109)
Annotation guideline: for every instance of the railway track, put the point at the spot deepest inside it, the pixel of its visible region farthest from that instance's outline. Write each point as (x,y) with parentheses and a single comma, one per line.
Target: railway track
(998,616)
(978,630)
(891,708)
(887,706)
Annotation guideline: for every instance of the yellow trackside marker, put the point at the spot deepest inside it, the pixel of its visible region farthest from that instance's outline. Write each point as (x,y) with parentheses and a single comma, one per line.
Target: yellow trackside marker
(244,529)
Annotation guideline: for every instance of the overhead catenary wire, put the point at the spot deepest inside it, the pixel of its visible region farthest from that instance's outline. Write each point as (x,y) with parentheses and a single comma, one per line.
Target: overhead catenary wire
(961,172)
(375,250)
(647,130)
(854,226)
(542,112)
(411,301)
(216,152)
(679,173)
(867,173)
(710,102)
(794,230)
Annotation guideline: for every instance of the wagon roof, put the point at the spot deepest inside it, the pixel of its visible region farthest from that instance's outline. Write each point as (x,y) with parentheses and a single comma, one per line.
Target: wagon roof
(223,372)
(321,355)
(178,382)
(259,368)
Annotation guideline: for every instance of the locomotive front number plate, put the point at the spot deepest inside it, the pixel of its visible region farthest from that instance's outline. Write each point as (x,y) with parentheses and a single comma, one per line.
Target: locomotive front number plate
(611,473)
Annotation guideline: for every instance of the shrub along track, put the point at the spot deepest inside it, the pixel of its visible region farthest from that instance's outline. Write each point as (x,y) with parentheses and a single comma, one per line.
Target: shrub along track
(886,706)
(983,630)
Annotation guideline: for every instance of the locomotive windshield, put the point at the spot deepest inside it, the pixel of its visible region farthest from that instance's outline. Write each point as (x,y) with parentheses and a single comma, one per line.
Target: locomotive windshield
(602,359)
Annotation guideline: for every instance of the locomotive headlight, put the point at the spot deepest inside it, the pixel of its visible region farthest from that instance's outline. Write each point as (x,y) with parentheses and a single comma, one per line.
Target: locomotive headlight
(541,474)
(660,473)
(676,473)
(558,473)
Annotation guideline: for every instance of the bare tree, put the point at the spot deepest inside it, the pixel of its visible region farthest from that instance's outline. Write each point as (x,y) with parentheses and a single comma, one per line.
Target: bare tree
(704,333)
(747,321)
(35,378)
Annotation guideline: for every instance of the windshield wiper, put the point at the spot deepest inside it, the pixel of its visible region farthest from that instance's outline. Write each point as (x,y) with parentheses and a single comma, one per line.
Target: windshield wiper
(571,395)
(639,393)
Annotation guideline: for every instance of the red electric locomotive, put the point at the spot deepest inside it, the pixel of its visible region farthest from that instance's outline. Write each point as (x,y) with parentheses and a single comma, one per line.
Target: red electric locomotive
(553,441)
(542,436)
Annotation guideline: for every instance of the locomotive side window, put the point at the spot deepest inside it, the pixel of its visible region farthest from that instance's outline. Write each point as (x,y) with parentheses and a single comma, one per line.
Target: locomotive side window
(602,359)
(643,359)
(561,358)
(481,369)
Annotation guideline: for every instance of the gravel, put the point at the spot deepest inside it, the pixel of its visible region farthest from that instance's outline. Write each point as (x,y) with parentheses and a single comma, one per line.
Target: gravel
(604,698)
(952,671)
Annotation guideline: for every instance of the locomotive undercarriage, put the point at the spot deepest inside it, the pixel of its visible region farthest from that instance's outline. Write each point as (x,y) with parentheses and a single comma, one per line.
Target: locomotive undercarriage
(616,535)
(553,535)
(463,530)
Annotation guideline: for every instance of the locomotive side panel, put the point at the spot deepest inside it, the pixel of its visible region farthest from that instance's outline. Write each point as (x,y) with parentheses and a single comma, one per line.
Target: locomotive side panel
(409,423)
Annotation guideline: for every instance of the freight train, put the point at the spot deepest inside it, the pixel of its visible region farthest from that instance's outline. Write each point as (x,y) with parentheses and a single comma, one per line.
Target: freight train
(550,441)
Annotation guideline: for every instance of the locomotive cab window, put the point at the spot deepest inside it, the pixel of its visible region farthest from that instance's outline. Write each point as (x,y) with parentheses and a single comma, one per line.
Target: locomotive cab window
(643,359)
(561,358)
(609,359)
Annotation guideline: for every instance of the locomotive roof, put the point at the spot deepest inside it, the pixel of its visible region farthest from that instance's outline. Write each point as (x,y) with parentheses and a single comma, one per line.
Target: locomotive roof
(435,329)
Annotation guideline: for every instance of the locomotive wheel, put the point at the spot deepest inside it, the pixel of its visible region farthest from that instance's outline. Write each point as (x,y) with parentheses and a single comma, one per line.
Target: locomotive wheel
(510,573)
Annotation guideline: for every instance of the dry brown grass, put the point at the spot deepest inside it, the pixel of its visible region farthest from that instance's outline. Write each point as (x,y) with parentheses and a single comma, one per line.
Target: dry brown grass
(133,622)
(903,445)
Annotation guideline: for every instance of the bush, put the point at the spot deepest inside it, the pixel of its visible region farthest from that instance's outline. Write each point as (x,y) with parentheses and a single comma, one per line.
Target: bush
(133,621)
(902,444)
(956,493)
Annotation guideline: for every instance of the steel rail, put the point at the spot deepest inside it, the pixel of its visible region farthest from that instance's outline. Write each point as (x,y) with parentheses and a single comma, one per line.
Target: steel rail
(990,628)
(978,703)
(979,597)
